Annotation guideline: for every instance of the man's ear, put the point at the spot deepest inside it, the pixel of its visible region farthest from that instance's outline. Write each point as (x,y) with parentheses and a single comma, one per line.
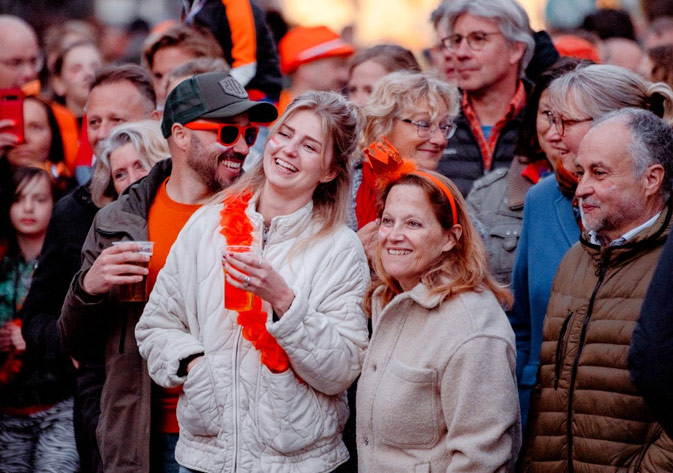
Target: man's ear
(181,136)
(654,178)
(516,52)
(155,115)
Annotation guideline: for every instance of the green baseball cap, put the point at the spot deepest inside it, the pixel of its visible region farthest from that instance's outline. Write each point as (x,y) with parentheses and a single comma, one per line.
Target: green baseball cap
(212,95)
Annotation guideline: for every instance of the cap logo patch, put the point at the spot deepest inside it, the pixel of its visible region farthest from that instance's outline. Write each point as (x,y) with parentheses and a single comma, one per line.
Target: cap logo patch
(232,87)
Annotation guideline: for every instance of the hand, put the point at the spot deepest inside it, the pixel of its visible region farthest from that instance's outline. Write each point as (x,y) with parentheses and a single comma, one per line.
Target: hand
(114,266)
(7,140)
(191,364)
(369,237)
(264,281)
(10,338)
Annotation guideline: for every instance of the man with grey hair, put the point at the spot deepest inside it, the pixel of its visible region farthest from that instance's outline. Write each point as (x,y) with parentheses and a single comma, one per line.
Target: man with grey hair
(586,414)
(491,44)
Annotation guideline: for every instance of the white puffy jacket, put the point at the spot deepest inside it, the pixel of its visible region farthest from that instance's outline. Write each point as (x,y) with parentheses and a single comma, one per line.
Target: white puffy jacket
(234,414)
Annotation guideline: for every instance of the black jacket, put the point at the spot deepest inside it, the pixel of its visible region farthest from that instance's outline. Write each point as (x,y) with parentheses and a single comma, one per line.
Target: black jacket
(651,350)
(59,261)
(213,16)
(462,161)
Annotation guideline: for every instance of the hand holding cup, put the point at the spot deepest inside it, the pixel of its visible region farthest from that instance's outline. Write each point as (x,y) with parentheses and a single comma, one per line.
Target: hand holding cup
(122,263)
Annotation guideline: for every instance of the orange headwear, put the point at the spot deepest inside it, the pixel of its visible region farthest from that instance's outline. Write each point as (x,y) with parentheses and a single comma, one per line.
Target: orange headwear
(389,166)
(574,46)
(305,44)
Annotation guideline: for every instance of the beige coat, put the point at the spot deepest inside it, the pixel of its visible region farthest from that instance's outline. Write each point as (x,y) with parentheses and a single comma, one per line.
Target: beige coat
(438,387)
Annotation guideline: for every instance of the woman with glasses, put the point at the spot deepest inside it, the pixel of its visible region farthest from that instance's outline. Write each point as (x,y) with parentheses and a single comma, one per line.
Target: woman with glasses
(264,386)
(415,113)
(551,220)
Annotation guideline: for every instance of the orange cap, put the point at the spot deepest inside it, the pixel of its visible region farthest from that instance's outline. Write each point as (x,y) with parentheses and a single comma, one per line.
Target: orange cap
(305,44)
(574,46)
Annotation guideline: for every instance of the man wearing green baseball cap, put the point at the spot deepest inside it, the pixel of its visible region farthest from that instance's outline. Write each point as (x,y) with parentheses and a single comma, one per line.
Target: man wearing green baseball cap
(209,123)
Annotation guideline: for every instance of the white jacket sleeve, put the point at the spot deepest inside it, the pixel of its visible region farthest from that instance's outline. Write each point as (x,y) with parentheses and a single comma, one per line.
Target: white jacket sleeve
(324,333)
(167,332)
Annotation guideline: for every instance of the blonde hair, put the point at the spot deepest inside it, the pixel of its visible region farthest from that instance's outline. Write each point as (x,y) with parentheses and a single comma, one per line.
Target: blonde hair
(340,125)
(462,269)
(399,93)
(598,89)
(146,138)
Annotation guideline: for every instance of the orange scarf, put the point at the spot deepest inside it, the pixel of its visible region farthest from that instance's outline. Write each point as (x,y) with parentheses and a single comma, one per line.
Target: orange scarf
(237,229)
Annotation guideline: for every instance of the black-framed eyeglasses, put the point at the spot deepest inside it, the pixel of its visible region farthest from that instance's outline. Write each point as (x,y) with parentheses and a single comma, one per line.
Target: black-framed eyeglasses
(561,123)
(476,40)
(426,129)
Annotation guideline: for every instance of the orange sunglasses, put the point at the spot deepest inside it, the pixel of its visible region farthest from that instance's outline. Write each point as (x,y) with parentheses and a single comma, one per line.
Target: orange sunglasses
(227,133)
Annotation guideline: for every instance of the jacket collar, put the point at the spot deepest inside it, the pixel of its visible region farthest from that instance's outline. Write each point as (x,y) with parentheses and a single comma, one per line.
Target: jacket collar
(650,237)
(128,214)
(282,227)
(420,294)
(142,193)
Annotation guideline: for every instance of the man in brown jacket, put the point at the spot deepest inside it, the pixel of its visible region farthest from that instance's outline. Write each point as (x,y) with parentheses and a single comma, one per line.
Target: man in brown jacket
(586,415)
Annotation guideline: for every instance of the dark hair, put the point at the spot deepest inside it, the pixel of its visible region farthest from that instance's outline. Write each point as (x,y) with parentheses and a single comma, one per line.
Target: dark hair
(136,75)
(610,23)
(18,179)
(197,40)
(390,56)
(662,64)
(528,145)
(56,150)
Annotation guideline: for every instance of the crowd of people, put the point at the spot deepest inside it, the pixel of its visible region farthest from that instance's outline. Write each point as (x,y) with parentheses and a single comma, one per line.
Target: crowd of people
(360,260)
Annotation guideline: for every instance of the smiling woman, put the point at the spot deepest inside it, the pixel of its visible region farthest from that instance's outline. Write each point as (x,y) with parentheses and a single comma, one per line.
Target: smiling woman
(307,273)
(440,338)
(415,112)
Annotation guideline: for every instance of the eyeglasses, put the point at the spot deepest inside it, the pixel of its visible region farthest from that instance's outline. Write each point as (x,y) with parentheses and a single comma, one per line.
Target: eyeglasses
(425,129)
(476,40)
(227,133)
(16,63)
(561,123)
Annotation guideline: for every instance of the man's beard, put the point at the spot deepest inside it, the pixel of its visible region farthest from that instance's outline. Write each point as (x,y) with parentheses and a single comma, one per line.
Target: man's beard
(206,166)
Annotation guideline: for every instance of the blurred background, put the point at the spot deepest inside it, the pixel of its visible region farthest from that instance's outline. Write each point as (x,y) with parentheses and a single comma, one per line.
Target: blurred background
(364,22)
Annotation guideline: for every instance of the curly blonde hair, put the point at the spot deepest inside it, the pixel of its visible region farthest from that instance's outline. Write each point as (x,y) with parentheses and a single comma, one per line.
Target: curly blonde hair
(399,93)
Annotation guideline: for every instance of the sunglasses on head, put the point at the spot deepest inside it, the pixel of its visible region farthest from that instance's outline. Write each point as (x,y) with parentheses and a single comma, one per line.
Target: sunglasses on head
(227,133)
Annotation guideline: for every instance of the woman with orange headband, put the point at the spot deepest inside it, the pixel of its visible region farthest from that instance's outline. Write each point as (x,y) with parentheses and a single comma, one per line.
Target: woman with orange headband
(438,386)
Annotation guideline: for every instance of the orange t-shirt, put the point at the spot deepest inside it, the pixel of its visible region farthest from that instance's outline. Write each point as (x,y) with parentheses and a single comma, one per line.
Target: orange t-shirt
(165,220)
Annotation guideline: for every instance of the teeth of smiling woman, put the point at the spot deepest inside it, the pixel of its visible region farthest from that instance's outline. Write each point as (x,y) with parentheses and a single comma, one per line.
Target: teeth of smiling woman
(398,252)
(285,165)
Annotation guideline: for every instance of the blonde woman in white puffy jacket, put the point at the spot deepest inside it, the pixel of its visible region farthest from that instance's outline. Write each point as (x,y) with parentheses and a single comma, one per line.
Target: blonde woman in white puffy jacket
(270,397)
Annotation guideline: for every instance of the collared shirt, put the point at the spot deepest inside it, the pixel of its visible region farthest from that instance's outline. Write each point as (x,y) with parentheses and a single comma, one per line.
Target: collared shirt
(626,236)
(487,145)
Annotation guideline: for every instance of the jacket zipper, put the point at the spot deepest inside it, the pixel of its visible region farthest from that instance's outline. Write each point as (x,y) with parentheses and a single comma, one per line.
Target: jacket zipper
(602,270)
(235,401)
(560,348)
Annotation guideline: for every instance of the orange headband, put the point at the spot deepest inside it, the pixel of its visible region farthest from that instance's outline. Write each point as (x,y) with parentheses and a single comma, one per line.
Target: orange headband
(444,189)
(389,166)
